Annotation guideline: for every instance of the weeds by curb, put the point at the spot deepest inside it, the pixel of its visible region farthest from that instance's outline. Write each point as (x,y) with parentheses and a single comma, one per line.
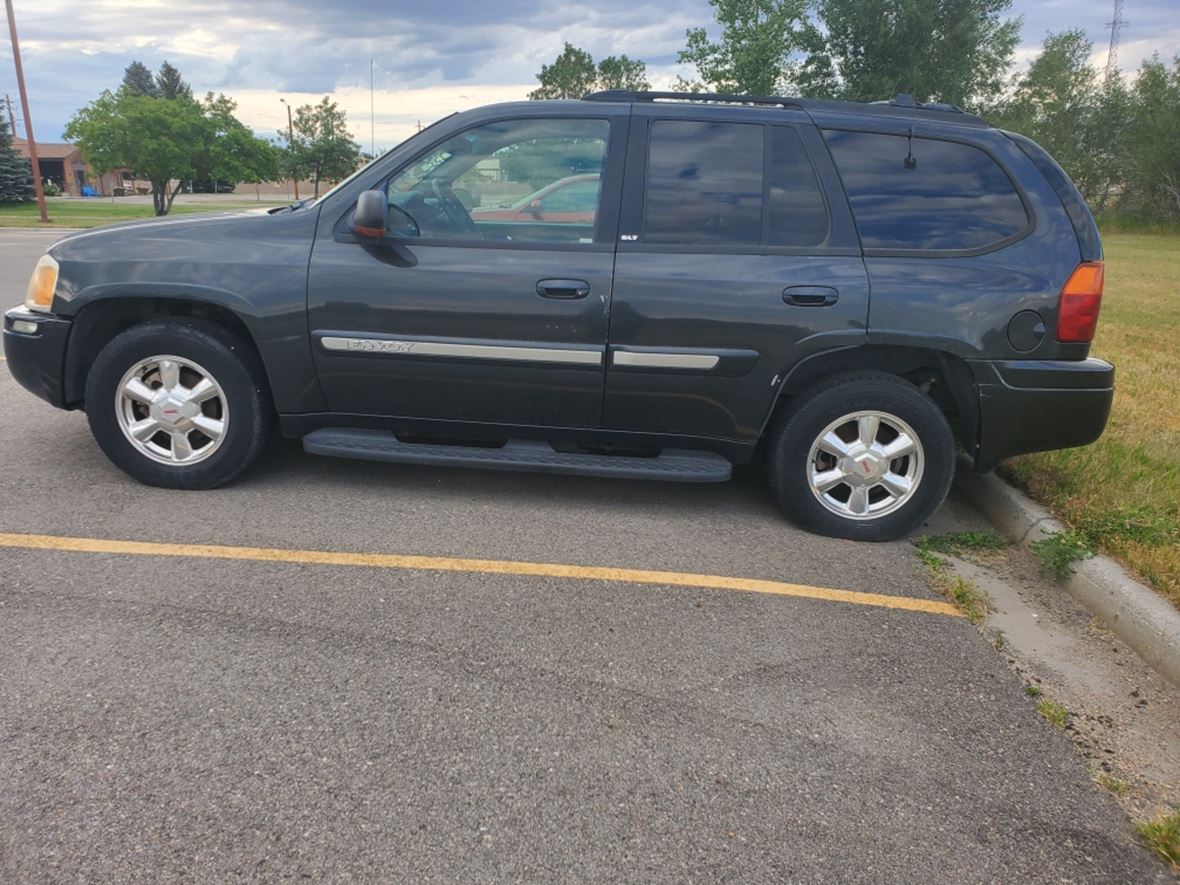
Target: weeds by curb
(1162,835)
(1059,552)
(969,598)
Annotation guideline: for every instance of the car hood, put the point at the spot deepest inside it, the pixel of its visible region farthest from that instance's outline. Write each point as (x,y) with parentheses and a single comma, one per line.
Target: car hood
(129,233)
(226,258)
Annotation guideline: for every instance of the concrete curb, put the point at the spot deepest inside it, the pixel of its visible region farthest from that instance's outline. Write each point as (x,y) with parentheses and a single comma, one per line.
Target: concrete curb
(1135,613)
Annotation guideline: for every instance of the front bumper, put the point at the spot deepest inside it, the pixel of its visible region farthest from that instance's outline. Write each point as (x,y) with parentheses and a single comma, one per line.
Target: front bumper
(36,354)
(1037,405)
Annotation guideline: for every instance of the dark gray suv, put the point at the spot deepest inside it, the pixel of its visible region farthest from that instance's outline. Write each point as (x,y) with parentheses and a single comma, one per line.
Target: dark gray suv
(843,291)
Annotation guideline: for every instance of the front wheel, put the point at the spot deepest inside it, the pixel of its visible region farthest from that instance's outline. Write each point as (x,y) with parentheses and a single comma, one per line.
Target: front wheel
(179,403)
(866,457)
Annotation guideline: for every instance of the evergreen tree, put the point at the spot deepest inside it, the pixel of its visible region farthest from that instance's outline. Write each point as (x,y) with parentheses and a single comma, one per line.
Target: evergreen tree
(170,84)
(138,80)
(16,177)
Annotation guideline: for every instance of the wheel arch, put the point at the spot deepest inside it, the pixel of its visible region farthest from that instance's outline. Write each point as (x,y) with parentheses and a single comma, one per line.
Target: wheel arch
(100,320)
(945,377)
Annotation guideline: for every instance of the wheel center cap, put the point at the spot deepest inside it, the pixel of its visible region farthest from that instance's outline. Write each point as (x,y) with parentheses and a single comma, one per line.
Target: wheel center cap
(864,467)
(172,410)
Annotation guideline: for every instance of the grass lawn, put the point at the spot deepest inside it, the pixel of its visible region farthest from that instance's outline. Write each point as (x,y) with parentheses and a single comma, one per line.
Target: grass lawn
(97,211)
(1122,494)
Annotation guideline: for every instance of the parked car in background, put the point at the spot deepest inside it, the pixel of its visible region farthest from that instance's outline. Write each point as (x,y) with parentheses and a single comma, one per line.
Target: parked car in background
(712,308)
(569,200)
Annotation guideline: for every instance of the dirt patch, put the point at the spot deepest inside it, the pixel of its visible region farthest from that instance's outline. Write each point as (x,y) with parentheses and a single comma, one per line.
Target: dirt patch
(1123,717)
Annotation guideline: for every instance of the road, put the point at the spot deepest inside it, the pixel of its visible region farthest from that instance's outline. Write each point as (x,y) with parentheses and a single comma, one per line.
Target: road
(168,712)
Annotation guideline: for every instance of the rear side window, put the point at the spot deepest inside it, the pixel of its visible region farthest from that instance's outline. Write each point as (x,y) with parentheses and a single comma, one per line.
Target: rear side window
(1075,205)
(731,184)
(797,214)
(704,183)
(932,196)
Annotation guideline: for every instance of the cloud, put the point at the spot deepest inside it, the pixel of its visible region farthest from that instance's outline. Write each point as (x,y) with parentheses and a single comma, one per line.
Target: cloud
(429,59)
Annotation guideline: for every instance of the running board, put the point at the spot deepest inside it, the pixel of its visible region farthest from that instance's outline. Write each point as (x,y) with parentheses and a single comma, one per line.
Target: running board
(673,465)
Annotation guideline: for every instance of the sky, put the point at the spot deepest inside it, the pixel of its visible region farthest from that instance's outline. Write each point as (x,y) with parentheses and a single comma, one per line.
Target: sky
(438,58)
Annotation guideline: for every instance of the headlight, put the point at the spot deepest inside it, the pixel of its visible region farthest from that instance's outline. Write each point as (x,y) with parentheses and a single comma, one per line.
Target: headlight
(43,282)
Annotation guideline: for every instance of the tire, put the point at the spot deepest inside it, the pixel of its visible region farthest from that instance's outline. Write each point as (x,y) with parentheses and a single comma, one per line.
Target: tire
(897,492)
(225,423)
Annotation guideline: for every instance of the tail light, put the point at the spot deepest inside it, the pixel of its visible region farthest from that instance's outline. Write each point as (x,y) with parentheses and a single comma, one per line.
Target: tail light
(1081,298)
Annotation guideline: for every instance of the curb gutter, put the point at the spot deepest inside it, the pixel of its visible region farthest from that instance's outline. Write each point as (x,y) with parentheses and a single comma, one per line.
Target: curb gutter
(1133,612)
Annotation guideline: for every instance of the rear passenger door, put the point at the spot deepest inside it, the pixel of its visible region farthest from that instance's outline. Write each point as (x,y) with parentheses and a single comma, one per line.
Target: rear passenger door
(737,258)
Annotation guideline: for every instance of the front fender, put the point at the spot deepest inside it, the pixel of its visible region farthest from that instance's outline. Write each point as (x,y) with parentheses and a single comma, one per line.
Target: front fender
(252,265)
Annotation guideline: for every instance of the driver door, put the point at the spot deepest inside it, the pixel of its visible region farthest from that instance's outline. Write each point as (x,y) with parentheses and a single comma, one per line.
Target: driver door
(472,315)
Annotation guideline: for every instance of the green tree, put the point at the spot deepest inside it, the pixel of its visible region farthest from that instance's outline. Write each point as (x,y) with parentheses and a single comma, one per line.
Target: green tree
(16,177)
(155,137)
(573,74)
(170,84)
(170,141)
(229,151)
(1059,103)
(753,54)
(138,80)
(1153,185)
(957,51)
(621,72)
(322,147)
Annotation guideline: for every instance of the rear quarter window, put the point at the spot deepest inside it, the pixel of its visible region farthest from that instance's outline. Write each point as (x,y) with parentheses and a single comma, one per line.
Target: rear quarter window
(925,194)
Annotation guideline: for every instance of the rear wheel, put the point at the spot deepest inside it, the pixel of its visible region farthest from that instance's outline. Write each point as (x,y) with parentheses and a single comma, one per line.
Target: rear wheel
(179,403)
(867,456)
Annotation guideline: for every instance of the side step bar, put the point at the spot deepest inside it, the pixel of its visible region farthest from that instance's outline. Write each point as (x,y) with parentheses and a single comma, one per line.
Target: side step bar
(673,465)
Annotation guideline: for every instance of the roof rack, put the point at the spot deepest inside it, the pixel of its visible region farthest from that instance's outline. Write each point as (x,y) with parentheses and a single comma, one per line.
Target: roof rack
(717,97)
(901,104)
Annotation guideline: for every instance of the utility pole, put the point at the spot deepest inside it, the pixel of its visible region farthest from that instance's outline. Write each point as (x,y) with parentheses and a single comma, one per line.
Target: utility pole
(11,118)
(290,144)
(372,116)
(1116,26)
(24,101)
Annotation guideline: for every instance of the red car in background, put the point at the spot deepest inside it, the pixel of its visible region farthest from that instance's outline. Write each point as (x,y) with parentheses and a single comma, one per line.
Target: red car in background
(571,200)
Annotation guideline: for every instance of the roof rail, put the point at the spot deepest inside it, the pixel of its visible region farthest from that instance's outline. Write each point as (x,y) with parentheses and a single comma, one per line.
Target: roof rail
(900,105)
(719,97)
(905,100)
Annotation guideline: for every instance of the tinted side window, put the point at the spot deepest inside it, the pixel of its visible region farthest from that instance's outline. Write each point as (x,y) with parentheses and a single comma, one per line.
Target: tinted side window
(954,196)
(797,213)
(704,183)
(473,185)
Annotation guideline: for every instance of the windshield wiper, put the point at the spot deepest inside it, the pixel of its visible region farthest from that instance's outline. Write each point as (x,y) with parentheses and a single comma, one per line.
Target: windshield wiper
(290,207)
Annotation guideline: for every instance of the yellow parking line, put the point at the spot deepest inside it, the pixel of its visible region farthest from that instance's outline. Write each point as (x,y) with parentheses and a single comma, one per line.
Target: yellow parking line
(481,566)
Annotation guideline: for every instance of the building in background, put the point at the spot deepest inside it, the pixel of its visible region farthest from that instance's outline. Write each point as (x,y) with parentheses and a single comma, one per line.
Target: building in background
(63,165)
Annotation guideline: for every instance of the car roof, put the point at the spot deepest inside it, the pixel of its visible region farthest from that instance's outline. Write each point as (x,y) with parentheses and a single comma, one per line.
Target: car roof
(901,105)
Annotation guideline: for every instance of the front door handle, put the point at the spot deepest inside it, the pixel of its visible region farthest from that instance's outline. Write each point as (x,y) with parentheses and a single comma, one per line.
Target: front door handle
(563,288)
(810,296)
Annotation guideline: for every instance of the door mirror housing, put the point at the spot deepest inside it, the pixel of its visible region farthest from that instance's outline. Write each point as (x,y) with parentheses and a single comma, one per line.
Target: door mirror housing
(371,218)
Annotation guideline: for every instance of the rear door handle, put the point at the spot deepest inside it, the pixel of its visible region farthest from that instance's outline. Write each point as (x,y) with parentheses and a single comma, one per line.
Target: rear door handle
(810,296)
(563,288)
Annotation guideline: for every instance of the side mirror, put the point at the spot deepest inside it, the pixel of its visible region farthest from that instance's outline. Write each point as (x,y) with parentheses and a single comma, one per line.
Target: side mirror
(534,208)
(372,215)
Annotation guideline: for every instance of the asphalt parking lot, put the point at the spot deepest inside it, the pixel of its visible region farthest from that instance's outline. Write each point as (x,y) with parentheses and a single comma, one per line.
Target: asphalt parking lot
(485,697)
